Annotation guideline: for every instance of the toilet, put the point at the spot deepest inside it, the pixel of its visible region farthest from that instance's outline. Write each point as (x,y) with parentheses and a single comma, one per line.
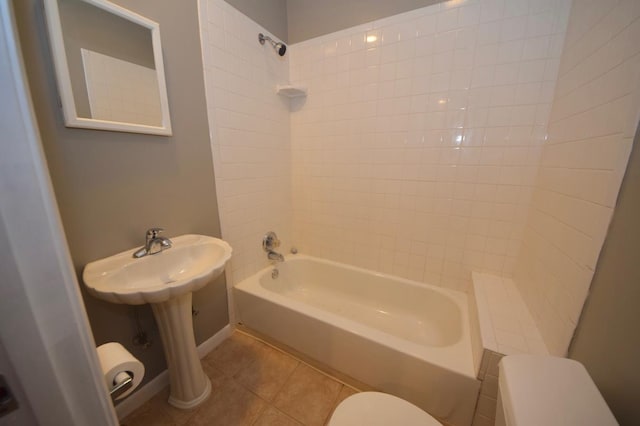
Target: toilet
(532,391)
(538,390)
(379,409)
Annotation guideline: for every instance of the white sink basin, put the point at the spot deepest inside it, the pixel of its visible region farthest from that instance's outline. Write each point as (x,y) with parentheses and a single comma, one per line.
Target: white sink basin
(190,264)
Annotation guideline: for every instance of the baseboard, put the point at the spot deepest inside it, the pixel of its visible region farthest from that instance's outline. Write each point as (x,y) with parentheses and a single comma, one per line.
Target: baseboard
(212,342)
(148,391)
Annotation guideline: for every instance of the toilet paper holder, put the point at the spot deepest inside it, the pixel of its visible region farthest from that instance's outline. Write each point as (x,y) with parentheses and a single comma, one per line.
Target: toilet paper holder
(122,371)
(121,383)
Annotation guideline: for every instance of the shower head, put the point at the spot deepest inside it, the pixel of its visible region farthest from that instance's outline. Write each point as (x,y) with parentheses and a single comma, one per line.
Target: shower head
(279,47)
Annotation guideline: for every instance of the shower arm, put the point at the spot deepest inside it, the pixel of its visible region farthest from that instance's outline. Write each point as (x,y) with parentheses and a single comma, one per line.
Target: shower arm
(279,47)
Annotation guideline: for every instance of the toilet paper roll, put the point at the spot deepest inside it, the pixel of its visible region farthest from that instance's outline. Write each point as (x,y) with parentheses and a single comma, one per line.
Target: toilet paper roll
(114,360)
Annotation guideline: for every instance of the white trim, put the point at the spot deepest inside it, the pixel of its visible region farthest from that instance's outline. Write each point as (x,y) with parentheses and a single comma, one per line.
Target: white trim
(63,77)
(212,342)
(148,391)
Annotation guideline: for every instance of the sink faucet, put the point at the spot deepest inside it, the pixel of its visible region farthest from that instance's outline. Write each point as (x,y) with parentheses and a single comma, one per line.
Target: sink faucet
(153,243)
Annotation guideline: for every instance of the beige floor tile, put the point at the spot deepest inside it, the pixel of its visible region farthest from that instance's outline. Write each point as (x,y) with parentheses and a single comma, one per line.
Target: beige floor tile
(266,375)
(216,376)
(235,353)
(148,415)
(273,417)
(246,373)
(345,392)
(157,411)
(308,396)
(229,405)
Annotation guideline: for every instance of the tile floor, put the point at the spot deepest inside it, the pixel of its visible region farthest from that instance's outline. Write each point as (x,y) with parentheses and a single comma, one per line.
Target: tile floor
(252,384)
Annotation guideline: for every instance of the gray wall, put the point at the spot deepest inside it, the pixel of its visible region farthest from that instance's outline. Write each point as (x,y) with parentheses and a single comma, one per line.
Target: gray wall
(312,18)
(607,340)
(271,14)
(112,186)
(294,21)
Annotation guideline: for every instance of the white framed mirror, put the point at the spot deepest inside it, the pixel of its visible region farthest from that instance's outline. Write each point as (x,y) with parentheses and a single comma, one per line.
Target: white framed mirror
(109,67)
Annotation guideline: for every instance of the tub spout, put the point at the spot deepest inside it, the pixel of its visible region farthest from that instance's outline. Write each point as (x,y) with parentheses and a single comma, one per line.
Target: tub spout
(272,255)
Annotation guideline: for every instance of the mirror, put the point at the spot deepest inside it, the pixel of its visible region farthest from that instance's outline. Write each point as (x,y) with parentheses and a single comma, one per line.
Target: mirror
(109,67)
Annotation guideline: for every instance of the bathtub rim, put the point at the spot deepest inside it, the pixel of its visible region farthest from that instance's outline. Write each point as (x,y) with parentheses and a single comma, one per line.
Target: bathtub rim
(436,355)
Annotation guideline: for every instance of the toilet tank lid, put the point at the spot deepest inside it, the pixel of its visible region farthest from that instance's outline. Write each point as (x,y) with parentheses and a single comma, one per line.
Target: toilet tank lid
(545,390)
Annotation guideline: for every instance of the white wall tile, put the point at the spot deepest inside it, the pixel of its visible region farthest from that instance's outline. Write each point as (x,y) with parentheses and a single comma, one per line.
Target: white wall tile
(447,144)
(249,134)
(460,83)
(582,162)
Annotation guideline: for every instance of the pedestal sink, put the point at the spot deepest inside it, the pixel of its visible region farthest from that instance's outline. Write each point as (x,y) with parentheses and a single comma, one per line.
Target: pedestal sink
(166,280)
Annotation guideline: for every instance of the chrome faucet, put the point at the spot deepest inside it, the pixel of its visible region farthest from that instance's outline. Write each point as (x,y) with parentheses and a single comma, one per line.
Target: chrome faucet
(153,243)
(272,255)
(269,242)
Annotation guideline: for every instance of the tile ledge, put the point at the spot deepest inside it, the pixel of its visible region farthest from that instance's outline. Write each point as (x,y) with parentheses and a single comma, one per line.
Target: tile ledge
(498,299)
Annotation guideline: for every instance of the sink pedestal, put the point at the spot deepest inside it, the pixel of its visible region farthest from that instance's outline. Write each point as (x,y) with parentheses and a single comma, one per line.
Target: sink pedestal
(189,385)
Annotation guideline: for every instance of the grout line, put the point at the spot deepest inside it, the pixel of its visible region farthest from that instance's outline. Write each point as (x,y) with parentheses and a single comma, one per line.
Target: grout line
(298,363)
(266,407)
(334,405)
(599,49)
(267,403)
(591,109)
(287,415)
(301,362)
(286,380)
(568,225)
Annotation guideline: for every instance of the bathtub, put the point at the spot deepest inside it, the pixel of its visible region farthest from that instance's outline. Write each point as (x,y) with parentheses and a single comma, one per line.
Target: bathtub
(406,338)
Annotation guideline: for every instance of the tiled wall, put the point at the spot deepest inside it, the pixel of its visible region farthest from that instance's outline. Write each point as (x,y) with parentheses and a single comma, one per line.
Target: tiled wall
(249,127)
(505,324)
(418,145)
(593,119)
(433,143)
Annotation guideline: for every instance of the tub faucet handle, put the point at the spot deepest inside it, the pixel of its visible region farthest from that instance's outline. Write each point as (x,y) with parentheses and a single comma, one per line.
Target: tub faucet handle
(270,241)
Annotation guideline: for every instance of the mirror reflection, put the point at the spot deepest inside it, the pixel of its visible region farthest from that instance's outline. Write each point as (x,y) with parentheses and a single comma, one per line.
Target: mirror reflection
(111,65)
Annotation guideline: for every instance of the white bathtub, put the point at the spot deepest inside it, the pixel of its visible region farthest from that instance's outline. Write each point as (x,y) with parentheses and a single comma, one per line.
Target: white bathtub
(399,336)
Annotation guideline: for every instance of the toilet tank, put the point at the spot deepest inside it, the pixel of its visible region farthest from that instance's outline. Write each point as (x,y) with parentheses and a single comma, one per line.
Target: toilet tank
(544,390)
